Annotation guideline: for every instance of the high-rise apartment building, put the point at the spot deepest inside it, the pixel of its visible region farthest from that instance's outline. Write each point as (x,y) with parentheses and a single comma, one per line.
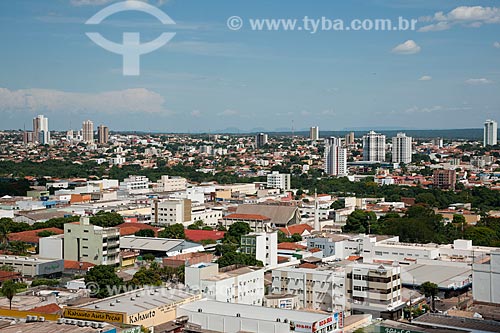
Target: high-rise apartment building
(349,139)
(444,179)
(88,131)
(335,157)
(490,133)
(314,133)
(102,134)
(261,140)
(401,148)
(374,147)
(41,132)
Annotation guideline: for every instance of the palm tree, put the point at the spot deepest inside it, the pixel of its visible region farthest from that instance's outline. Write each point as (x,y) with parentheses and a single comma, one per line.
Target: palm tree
(9,290)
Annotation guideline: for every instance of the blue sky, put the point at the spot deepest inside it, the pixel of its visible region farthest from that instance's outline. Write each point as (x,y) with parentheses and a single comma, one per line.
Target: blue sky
(210,78)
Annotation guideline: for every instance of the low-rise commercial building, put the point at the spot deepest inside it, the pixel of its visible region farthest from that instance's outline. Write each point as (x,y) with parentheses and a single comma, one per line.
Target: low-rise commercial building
(163,247)
(143,307)
(318,289)
(486,280)
(33,266)
(233,318)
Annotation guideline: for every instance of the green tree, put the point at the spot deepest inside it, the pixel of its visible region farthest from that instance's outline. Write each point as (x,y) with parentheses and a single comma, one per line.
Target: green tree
(9,290)
(360,221)
(237,258)
(196,226)
(146,277)
(149,257)
(235,231)
(175,231)
(105,278)
(106,219)
(430,289)
(46,233)
(145,233)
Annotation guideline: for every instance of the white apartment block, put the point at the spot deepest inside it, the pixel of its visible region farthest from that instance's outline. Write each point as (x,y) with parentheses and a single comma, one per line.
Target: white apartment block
(90,243)
(401,148)
(170,184)
(278,180)
(135,185)
(374,147)
(243,285)
(375,289)
(486,280)
(263,246)
(170,212)
(490,133)
(317,289)
(335,159)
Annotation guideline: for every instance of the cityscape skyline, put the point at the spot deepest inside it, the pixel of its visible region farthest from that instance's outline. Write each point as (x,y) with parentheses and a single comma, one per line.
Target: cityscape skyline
(440,76)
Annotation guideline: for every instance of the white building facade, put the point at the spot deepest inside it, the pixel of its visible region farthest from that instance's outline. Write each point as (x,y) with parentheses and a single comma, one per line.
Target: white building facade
(401,148)
(490,133)
(374,147)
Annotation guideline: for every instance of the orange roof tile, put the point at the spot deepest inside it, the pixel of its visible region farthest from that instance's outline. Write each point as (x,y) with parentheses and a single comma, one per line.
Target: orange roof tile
(31,236)
(296,229)
(49,308)
(71,264)
(291,246)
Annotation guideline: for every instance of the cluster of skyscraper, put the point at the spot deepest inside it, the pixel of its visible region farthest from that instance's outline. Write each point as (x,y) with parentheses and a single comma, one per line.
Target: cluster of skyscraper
(41,134)
(374,150)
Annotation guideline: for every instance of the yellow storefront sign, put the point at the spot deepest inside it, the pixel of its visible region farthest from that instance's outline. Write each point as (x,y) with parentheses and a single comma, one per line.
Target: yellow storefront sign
(114,317)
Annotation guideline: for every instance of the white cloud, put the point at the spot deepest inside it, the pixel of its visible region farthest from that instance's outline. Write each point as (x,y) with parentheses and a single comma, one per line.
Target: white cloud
(408,47)
(137,100)
(415,109)
(480,81)
(425,78)
(496,45)
(196,113)
(228,113)
(468,16)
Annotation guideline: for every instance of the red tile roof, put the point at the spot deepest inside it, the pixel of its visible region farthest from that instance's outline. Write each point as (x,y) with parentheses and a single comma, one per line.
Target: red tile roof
(296,229)
(130,228)
(247,217)
(31,236)
(307,265)
(353,258)
(49,308)
(199,235)
(291,246)
(314,250)
(75,265)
